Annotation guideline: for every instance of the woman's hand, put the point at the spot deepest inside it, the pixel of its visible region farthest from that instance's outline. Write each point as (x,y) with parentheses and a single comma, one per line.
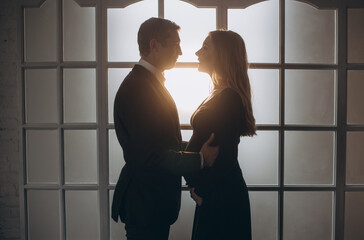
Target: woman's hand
(209,152)
(195,197)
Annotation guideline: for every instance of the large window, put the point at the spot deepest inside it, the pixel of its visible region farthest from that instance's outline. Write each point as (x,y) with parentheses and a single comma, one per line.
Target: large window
(305,167)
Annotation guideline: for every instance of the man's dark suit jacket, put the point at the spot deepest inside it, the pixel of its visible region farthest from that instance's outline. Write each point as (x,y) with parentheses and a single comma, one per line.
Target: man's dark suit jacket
(147,127)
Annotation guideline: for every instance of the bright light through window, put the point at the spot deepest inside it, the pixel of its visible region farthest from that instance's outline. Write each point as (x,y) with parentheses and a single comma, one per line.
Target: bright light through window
(188,88)
(195,25)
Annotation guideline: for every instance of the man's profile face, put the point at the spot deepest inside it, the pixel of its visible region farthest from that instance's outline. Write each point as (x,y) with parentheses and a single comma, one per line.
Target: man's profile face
(170,51)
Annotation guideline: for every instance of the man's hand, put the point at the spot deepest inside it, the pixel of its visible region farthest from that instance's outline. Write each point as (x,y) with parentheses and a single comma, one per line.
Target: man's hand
(209,152)
(195,197)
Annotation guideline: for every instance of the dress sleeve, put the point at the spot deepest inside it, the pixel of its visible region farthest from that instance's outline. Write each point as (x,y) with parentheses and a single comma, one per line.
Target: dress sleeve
(224,118)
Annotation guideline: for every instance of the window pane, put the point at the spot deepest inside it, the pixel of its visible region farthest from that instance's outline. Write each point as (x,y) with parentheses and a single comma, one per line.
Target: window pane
(79,35)
(80,153)
(355,35)
(186,136)
(122,28)
(116,157)
(43,215)
(355,97)
(182,228)
(264,214)
(115,78)
(259,26)
(188,88)
(192,35)
(42,154)
(79,90)
(310,97)
(265,95)
(309,157)
(82,215)
(41,96)
(259,167)
(354,158)
(40,32)
(354,215)
(308,215)
(117,230)
(310,34)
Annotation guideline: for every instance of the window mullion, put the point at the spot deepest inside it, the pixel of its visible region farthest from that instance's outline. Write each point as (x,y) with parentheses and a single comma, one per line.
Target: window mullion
(59,44)
(101,52)
(221,21)
(341,123)
(282,119)
(161,8)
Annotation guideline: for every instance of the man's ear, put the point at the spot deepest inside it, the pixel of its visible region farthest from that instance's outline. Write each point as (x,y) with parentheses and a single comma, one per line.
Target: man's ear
(154,45)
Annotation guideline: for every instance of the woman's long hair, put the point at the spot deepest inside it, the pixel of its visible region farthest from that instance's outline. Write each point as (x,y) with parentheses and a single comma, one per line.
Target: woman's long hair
(231,71)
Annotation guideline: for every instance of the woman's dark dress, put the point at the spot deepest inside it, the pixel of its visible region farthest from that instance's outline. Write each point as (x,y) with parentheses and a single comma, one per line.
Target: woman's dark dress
(225,211)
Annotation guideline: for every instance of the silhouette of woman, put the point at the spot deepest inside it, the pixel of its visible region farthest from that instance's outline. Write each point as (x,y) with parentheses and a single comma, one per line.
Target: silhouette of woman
(223,208)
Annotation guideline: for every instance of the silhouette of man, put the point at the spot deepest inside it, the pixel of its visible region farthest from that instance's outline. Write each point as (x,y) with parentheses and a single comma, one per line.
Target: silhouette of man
(148,193)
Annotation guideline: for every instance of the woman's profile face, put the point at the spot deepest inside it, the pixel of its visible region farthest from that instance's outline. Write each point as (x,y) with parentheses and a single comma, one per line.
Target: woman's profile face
(206,56)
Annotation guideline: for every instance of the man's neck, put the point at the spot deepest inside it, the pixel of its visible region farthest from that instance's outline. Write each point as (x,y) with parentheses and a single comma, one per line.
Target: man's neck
(155,71)
(153,61)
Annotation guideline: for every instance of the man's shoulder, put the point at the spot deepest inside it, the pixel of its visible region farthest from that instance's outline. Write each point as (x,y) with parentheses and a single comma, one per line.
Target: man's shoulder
(132,81)
(137,76)
(136,84)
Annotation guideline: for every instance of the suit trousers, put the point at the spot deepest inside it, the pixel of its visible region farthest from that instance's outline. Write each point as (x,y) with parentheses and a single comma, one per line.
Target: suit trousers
(153,232)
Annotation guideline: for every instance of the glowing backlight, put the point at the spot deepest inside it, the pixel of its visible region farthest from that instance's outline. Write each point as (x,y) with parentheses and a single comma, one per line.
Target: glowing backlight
(189,88)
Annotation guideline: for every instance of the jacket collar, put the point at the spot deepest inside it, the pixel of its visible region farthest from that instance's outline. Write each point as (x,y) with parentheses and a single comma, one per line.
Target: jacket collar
(156,73)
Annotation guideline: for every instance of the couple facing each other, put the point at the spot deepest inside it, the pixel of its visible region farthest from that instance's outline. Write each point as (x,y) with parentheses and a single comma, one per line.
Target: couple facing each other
(147,196)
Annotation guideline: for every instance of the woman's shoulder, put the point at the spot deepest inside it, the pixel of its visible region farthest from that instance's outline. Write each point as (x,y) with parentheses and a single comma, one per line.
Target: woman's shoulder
(229,92)
(229,95)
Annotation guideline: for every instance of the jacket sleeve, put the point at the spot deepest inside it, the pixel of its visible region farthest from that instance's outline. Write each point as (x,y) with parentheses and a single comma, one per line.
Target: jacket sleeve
(136,115)
(223,119)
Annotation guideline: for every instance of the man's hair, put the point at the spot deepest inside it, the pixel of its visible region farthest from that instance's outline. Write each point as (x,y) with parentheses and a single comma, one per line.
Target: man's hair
(154,28)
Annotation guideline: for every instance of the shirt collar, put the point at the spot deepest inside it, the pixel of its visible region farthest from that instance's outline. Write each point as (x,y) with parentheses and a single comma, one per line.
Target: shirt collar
(157,73)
